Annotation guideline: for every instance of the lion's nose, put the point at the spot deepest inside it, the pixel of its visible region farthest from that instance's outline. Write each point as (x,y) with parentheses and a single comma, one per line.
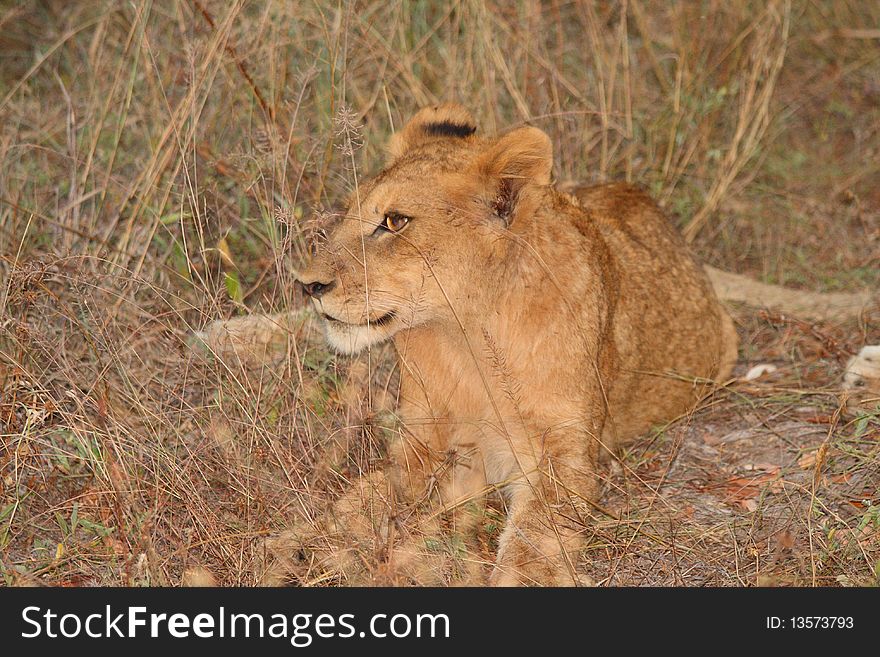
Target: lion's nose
(316,289)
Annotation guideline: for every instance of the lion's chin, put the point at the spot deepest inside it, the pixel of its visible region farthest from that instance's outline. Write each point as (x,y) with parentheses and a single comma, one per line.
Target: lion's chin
(353,338)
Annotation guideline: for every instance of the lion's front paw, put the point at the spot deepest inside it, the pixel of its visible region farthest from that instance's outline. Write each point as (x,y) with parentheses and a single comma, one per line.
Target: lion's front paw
(530,568)
(308,556)
(530,558)
(341,546)
(538,548)
(359,541)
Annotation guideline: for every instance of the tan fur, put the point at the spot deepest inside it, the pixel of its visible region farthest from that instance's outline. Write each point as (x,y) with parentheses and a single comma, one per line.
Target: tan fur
(535,330)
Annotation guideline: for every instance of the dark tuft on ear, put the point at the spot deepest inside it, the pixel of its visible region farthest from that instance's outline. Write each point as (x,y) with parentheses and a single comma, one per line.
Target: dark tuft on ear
(449,129)
(449,121)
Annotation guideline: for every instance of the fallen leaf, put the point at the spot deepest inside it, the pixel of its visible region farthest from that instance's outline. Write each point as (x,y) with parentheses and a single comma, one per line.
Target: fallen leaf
(785,540)
(808,460)
(748,505)
(225,253)
(742,491)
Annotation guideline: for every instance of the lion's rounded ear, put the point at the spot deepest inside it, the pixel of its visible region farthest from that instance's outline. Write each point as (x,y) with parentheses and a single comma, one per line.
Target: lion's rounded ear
(516,160)
(448,121)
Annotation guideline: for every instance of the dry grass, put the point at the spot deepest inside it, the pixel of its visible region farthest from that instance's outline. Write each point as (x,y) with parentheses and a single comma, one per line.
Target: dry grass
(160,161)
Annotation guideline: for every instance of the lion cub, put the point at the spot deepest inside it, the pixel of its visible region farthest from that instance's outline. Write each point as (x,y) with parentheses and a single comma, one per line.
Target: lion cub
(534,330)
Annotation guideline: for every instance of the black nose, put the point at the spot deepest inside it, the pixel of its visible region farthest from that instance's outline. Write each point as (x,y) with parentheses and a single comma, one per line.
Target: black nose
(316,289)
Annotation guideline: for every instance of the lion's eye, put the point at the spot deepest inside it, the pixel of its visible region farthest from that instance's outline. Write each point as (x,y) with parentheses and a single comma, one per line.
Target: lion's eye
(394,222)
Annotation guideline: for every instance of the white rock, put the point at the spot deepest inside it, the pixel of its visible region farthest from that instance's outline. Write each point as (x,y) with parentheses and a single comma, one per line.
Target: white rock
(758,371)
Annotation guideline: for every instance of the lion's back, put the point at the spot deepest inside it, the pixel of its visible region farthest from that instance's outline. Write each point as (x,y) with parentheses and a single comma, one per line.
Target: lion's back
(670,330)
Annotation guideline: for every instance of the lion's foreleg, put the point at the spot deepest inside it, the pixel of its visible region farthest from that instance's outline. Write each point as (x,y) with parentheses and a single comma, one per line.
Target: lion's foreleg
(543,536)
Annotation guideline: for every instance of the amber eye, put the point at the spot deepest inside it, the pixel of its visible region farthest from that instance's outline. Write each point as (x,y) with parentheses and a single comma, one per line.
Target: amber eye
(394,222)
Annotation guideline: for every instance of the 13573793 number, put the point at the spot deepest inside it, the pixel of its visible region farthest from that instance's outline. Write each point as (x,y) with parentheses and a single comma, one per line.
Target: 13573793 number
(810,623)
(821,622)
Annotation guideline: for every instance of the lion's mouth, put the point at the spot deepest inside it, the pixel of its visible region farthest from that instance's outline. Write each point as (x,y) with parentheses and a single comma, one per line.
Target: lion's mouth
(379,321)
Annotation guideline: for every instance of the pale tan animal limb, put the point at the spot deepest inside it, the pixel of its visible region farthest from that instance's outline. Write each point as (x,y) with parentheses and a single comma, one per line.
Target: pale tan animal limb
(252,340)
(832,306)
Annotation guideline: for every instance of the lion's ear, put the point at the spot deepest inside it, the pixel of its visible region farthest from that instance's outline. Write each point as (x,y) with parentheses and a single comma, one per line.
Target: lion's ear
(440,121)
(519,159)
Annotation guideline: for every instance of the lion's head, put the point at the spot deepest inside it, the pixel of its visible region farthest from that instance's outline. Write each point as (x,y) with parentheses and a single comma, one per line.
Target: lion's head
(428,233)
